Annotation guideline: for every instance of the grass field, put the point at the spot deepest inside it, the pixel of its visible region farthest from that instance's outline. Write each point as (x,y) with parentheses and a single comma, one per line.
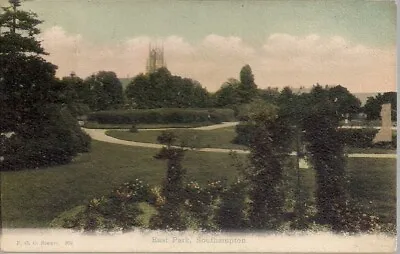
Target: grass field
(33,198)
(219,138)
(95,125)
(370,150)
(374,180)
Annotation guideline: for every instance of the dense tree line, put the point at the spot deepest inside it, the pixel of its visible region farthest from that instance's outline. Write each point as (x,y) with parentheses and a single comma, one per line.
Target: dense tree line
(100,91)
(161,89)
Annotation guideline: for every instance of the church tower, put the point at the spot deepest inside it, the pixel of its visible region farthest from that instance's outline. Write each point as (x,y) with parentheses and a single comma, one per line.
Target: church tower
(156,59)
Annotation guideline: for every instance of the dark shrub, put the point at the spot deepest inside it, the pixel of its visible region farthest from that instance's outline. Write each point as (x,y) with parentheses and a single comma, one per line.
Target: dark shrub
(55,140)
(167,138)
(80,139)
(359,138)
(117,211)
(133,129)
(23,153)
(243,132)
(357,219)
(231,212)
(170,213)
(362,138)
(201,203)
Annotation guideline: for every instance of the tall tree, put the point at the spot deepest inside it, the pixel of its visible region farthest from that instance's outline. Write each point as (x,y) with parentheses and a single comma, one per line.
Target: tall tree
(228,94)
(170,213)
(30,102)
(106,90)
(247,88)
(346,103)
(326,153)
(269,148)
(136,90)
(373,105)
(25,77)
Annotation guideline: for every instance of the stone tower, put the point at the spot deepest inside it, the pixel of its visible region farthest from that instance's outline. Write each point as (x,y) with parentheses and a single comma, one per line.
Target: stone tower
(156,58)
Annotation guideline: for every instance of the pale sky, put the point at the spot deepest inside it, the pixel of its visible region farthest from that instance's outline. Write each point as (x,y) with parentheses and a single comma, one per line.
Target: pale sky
(287,43)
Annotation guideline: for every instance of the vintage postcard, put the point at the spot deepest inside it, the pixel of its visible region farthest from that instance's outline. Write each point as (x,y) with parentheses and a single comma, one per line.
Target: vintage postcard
(198,126)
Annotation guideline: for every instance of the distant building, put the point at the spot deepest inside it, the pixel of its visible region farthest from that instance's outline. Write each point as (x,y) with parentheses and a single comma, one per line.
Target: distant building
(156,59)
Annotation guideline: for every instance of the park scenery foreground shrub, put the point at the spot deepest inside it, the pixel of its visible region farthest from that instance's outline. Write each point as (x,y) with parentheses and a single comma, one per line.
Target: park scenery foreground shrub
(162,116)
(215,206)
(183,204)
(56,143)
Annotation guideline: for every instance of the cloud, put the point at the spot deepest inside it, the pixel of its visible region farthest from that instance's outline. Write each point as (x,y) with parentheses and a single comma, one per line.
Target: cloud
(282,60)
(333,60)
(227,46)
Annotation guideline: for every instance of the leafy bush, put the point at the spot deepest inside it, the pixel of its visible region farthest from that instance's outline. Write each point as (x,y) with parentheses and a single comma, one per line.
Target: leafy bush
(202,203)
(54,141)
(355,219)
(244,132)
(118,211)
(161,116)
(362,138)
(80,139)
(23,153)
(231,211)
(171,212)
(167,138)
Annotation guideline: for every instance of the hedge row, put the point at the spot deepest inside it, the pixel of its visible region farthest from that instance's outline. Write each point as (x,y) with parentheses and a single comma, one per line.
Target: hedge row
(362,138)
(357,138)
(162,116)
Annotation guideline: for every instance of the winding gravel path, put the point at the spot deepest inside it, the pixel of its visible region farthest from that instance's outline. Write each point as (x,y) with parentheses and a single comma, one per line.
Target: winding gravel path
(100,135)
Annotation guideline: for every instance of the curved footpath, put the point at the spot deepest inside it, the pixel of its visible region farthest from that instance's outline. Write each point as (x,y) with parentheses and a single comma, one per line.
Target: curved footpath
(100,135)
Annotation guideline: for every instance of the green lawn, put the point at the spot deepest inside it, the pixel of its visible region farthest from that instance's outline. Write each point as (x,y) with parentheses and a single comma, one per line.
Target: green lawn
(33,198)
(95,125)
(374,180)
(370,150)
(219,138)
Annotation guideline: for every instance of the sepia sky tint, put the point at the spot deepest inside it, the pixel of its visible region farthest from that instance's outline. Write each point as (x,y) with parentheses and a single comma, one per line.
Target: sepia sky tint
(287,43)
